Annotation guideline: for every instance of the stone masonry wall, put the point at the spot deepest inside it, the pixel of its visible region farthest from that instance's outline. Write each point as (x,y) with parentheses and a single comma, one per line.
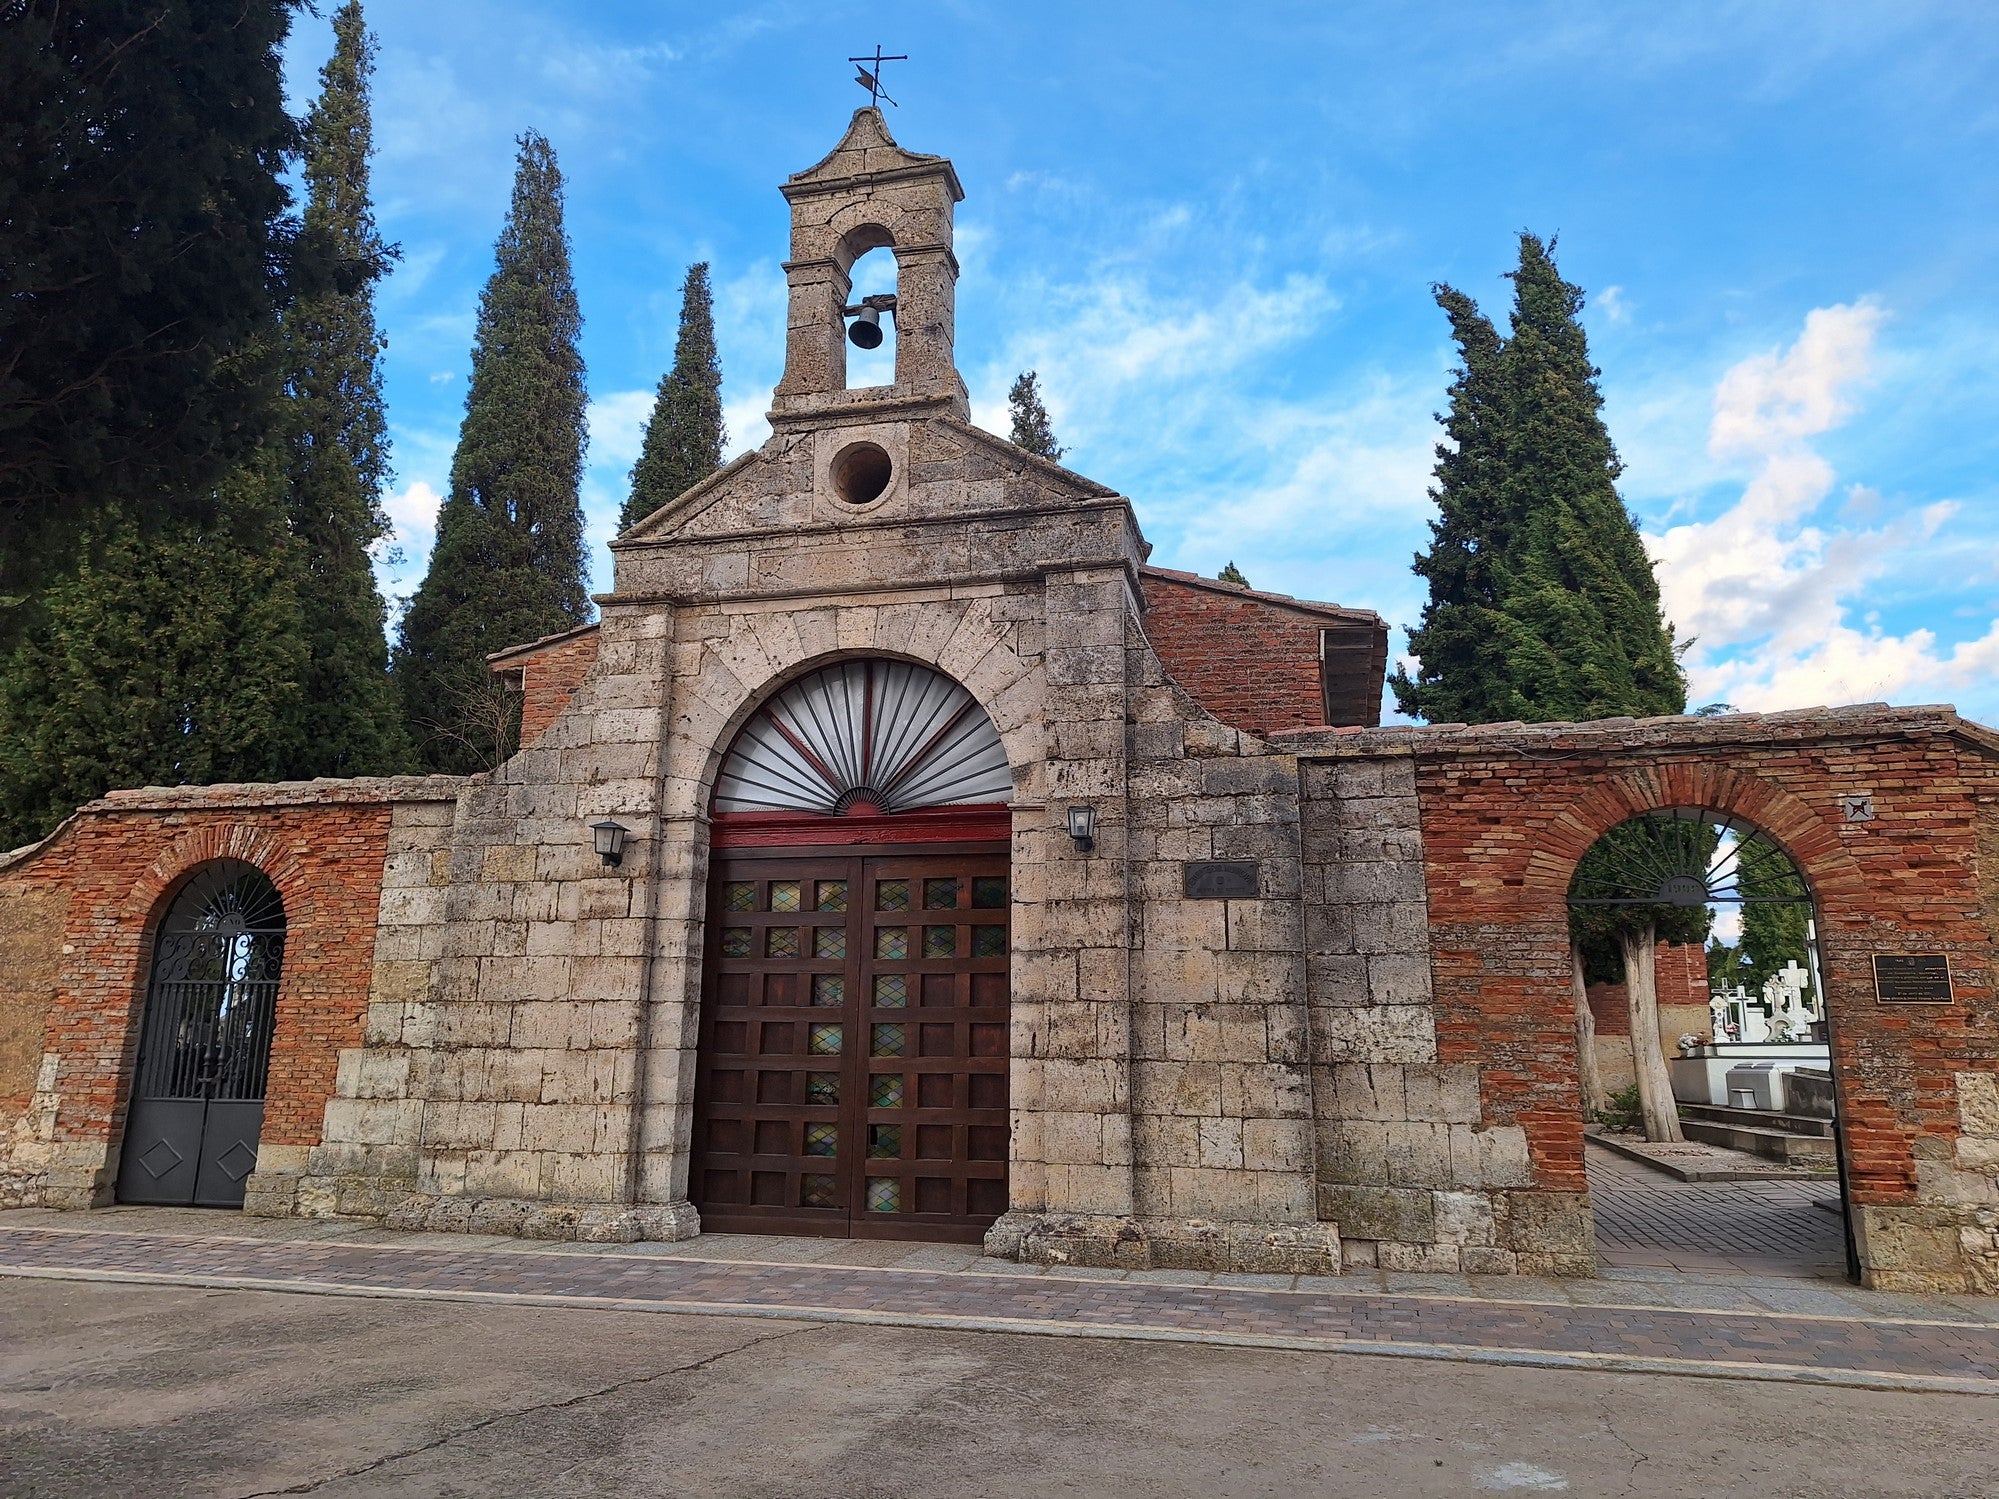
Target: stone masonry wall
(32,913)
(1411,1164)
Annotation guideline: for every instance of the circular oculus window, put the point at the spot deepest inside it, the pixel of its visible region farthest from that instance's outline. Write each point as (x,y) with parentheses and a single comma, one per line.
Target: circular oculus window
(861,472)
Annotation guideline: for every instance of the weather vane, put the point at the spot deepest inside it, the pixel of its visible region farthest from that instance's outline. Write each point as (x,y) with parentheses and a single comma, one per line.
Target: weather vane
(872,82)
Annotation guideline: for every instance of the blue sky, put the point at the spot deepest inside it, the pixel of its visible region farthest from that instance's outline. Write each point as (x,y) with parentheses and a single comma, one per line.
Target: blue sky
(1212,231)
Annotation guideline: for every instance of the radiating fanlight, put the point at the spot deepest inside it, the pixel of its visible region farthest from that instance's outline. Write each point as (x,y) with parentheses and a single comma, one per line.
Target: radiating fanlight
(865,737)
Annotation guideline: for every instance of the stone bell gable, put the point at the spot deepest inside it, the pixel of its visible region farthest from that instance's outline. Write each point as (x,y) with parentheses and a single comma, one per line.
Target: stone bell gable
(868,194)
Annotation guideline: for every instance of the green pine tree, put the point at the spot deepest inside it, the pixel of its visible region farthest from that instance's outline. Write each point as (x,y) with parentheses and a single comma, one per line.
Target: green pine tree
(336,445)
(684,436)
(146,243)
(508,563)
(1031,429)
(1543,604)
(171,655)
(1232,574)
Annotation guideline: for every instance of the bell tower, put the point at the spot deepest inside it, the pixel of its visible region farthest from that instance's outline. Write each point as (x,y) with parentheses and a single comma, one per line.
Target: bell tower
(869,194)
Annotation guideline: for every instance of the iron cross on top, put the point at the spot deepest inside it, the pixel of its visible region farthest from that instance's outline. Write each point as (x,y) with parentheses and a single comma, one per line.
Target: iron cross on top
(872,82)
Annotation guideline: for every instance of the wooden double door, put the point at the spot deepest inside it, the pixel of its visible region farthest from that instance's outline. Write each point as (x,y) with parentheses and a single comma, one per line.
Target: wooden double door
(852,1076)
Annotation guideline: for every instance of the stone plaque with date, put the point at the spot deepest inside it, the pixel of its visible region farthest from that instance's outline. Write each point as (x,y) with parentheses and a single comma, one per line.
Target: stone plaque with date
(1222,879)
(1912,979)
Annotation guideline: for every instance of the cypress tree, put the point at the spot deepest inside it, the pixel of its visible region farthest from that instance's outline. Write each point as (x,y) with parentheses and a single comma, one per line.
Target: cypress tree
(171,655)
(1591,634)
(1463,677)
(684,436)
(1031,429)
(1543,604)
(336,434)
(146,244)
(1232,574)
(508,563)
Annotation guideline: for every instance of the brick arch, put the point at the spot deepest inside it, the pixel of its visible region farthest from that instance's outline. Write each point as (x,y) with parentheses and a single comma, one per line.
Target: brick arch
(205,845)
(1808,836)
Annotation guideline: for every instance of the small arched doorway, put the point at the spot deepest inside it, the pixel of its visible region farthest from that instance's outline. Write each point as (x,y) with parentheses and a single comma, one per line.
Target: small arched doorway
(205,1041)
(1700,930)
(853,1055)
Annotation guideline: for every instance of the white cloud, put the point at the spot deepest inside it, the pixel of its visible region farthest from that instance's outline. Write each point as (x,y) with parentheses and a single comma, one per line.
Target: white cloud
(617,428)
(1612,302)
(1768,592)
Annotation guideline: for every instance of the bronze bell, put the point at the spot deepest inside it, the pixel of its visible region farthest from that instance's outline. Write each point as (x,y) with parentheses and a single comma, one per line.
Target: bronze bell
(866,328)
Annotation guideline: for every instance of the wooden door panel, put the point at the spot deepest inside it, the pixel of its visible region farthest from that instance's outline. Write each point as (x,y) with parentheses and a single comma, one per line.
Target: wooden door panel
(853,1063)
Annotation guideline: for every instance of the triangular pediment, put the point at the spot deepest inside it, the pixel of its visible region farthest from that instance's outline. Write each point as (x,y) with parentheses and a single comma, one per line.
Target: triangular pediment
(957,470)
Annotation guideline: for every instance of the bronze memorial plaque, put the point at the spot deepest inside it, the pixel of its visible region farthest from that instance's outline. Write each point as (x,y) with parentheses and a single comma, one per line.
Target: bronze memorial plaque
(1222,879)
(1919,978)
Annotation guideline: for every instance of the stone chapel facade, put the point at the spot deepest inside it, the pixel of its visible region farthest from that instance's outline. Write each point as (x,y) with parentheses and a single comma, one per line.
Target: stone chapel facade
(980,881)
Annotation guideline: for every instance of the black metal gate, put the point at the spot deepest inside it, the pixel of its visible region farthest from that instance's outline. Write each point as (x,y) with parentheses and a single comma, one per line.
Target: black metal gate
(198,1095)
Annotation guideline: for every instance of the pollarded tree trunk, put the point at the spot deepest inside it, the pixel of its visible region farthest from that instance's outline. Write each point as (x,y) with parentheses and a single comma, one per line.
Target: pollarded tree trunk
(1594,1098)
(1655,1084)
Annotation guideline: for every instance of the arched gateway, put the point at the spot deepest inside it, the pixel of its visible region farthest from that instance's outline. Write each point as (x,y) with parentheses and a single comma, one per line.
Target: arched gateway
(852,1071)
(205,1047)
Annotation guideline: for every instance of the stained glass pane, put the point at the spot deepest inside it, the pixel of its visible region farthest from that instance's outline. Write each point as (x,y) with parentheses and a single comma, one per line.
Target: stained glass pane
(784,895)
(829,942)
(832,895)
(739,895)
(989,892)
(891,990)
(940,895)
(822,1139)
(829,989)
(887,1041)
(884,1194)
(815,1191)
(781,942)
(988,941)
(885,1090)
(884,1142)
(940,942)
(822,1087)
(892,943)
(892,895)
(736,942)
(825,1041)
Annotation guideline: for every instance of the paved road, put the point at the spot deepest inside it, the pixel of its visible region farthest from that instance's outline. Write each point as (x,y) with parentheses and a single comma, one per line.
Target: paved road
(120,1390)
(1850,1348)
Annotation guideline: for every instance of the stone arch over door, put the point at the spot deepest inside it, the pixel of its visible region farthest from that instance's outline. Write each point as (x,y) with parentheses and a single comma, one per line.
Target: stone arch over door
(853,1032)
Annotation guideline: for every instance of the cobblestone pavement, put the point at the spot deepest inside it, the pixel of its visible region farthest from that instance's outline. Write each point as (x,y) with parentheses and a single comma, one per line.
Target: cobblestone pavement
(1646,1219)
(1849,1337)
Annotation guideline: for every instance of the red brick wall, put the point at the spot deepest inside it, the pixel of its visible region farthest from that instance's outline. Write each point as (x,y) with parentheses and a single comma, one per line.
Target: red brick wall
(121,870)
(1502,833)
(1680,973)
(1250,659)
(549,677)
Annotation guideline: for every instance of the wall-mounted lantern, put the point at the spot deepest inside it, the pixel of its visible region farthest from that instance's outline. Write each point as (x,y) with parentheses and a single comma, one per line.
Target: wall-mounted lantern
(610,839)
(1083,828)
